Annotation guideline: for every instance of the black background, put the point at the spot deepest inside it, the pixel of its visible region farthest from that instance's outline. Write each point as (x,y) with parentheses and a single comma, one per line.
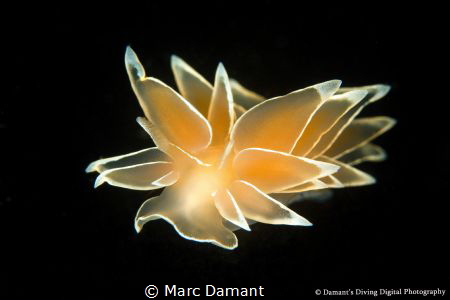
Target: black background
(67,101)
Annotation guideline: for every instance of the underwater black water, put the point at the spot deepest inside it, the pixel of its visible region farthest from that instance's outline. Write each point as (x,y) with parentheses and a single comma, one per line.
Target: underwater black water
(69,102)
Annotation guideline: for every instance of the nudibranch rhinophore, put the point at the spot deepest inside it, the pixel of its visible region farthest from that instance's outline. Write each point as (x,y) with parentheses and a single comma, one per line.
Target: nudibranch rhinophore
(226,157)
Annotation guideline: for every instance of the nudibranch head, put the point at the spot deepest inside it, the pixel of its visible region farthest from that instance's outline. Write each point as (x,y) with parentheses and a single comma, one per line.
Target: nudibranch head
(227,157)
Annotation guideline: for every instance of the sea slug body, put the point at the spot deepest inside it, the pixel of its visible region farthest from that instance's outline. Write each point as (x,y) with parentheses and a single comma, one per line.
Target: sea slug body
(226,157)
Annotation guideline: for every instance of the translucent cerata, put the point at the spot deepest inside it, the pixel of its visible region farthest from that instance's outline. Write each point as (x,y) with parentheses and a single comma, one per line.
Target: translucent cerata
(227,157)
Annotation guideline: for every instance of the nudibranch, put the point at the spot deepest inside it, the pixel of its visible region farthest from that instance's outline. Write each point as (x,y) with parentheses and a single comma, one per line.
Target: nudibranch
(226,157)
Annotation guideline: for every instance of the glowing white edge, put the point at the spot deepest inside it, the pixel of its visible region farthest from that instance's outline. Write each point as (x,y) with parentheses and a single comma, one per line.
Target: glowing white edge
(325,168)
(242,222)
(222,76)
(176,63)
(92,167)
(157,182)
(354,97)
(365,178)
(102,177)
(156,216)
(390,122)
(295,217)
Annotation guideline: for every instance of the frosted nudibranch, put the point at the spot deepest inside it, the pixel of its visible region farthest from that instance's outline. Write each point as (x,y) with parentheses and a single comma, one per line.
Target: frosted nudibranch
(226,157)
